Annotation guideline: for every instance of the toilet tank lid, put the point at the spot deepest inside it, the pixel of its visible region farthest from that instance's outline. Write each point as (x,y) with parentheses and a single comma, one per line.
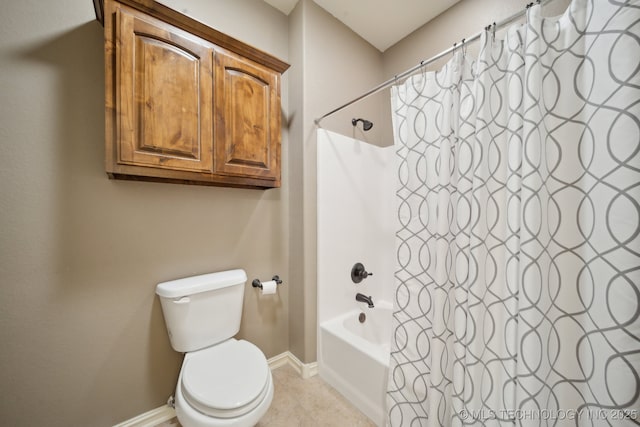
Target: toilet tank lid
(202,283)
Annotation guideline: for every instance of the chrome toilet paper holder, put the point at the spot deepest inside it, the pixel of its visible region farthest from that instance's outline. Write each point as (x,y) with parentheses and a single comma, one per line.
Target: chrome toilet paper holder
(258,284)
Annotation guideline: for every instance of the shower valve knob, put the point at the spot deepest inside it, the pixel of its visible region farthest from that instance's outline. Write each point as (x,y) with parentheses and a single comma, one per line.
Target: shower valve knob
(358,273)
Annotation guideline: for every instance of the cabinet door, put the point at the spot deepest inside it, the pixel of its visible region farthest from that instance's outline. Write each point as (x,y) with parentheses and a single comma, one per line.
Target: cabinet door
(164,95)
(247,121)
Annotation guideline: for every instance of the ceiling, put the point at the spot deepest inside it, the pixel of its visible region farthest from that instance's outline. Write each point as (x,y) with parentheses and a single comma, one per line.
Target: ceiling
(381,22)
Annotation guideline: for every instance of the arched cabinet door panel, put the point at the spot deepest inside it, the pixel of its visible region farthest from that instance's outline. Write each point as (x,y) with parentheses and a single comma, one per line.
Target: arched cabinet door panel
(163,75)
(247,121)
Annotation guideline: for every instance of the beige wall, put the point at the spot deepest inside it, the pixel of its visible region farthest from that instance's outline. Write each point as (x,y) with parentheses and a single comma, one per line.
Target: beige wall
(83,338)
(296,185)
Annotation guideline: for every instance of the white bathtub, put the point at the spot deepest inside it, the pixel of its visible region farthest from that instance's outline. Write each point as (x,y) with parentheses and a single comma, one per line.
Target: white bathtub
(354,357)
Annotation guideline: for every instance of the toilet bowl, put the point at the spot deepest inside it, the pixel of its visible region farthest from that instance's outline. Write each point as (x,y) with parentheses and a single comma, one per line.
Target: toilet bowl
(223,382)
(226,385)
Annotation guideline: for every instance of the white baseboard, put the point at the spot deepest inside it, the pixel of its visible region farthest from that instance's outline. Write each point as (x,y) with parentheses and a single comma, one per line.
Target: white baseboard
(306,370)
(166,412)
(151,418)
(280,360)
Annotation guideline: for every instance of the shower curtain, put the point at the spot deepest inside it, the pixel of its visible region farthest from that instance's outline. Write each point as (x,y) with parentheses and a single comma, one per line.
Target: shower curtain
(517,297)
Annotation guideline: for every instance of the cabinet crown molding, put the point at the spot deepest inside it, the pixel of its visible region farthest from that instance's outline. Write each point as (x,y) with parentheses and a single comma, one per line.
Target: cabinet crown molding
(193,26)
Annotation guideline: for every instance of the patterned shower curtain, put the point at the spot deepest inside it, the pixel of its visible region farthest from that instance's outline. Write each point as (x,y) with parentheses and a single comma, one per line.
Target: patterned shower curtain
(517,296)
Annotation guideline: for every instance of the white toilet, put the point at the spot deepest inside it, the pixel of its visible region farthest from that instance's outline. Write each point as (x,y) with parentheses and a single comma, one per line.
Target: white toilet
(223,382)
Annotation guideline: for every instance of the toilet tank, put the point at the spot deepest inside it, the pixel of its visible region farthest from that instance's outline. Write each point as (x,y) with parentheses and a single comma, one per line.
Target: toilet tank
(201,311)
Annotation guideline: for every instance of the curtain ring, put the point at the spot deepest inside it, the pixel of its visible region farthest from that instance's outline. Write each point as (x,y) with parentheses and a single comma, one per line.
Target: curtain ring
(464,49)
(493,34)
(527,12)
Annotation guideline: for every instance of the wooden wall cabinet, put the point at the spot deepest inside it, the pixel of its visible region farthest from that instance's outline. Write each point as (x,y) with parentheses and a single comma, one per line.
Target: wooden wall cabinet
(186,103)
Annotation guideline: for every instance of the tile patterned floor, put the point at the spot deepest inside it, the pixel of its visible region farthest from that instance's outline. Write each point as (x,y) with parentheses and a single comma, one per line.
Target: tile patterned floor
(305,403)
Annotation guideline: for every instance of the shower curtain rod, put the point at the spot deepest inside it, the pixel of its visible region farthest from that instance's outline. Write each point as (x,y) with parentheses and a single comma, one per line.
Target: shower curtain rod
(424,63)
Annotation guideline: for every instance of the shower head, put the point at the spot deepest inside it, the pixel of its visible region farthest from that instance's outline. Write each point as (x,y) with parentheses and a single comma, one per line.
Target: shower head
(366,124)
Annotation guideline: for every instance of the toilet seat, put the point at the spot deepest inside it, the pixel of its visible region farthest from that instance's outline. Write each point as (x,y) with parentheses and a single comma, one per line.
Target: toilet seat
(226,380)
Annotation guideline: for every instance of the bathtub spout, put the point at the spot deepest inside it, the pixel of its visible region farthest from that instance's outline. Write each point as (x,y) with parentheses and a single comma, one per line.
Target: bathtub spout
(364,298)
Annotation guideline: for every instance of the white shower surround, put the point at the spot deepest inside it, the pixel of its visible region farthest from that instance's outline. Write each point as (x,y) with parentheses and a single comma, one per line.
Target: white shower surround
(356,208)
